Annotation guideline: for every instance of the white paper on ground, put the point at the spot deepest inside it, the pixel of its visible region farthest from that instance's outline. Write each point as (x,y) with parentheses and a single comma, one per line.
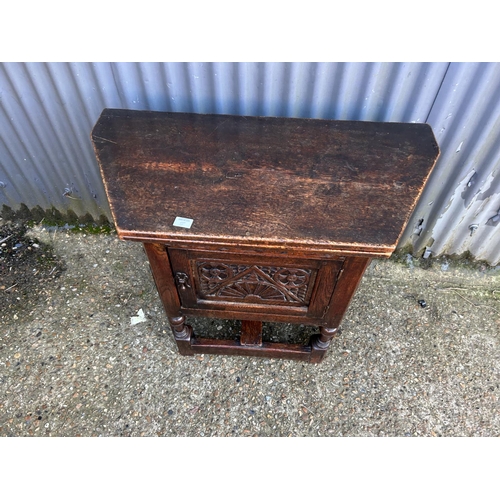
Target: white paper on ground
(139,318)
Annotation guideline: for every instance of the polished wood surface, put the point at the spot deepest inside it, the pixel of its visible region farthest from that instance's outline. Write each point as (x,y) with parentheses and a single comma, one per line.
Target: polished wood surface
(262,181)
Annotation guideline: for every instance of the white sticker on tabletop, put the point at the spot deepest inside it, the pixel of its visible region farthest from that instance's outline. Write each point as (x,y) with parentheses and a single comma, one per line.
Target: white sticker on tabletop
(183,222)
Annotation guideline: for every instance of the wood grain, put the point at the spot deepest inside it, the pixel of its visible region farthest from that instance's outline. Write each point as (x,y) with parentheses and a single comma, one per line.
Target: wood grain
(276,180)
(251,333)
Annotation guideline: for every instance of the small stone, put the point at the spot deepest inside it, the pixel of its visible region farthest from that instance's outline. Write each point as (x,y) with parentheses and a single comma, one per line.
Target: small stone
(17,355)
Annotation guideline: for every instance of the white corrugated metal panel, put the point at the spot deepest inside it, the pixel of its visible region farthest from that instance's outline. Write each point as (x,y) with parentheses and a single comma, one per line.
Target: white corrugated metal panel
(459,207)
(47,111)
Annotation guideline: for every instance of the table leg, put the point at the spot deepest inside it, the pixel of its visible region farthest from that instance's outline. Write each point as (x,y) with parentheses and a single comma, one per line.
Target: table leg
(182,334)
(350,277)
(320,343)
(165,284)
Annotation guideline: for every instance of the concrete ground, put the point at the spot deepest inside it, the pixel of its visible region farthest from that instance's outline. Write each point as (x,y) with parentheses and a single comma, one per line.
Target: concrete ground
(72,364)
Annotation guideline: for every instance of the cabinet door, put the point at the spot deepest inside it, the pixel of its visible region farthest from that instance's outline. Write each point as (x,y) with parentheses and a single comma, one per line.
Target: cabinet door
(254,283)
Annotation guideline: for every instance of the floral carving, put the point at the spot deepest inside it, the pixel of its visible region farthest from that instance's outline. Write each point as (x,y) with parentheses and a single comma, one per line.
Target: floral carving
(253,283)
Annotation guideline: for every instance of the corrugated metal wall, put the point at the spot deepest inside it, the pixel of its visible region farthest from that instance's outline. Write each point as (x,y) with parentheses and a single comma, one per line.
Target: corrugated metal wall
(460,207)
(47,111)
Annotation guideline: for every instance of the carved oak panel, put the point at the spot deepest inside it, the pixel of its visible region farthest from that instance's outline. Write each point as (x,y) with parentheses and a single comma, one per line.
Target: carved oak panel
(254,283)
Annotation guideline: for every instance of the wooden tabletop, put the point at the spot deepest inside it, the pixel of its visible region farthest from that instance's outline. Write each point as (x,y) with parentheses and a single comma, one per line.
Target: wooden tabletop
(282,182)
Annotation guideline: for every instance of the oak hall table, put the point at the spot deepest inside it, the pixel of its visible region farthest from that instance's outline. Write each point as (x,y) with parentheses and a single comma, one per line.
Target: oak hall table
(260,219)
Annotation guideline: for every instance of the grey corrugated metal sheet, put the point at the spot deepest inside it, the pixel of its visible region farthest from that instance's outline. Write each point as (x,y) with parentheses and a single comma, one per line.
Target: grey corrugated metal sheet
(48,109)
(458,209)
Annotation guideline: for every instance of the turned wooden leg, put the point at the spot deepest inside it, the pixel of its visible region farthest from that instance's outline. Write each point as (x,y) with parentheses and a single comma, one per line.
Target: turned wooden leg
(182,334)
(167,288)
(320,343)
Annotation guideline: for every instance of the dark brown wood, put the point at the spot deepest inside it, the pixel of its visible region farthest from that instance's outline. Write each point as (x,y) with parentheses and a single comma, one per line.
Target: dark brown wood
(254,283)
(285,214)
(251,333)
(320,343)
(263,181)
(348,281)
(272,315)
(268,349)
(182,334)
(183,277)
(325,285)
(163,277)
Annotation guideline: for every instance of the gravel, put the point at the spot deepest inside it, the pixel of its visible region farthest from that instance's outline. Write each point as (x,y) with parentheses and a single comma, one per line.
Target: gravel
(418,355)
